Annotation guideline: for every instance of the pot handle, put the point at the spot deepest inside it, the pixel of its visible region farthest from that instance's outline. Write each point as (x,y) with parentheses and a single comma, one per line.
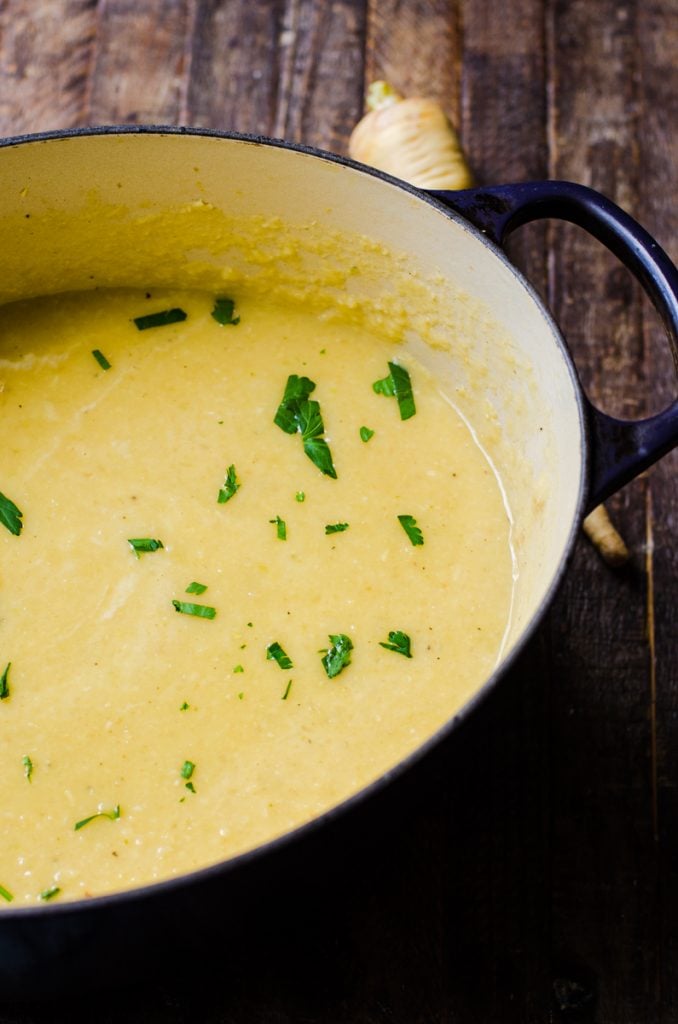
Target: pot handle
(619,449)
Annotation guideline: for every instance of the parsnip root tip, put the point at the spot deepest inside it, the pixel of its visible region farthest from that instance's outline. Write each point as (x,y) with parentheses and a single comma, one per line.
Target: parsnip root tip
(602,533)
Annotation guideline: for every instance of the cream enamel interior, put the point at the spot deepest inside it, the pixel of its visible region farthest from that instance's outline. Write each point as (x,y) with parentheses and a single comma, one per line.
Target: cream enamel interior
(85,212)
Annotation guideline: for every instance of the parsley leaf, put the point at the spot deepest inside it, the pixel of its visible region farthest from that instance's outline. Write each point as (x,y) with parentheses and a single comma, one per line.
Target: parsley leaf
(339,654)
(187,769)
(297,390)
(282,527)
(111,815)
(287,690)
(28,766)
(398,642)
(142,544)
(10,515)
(409,525)
(365,432)
(300,496)
(201,611)
(336,527)
(274,652)
(397,384)
(196,588)
(231,485)
(101,359)
(189,785)
(4,682)
(223,312)
(299,414)
(161,319)
(6,894)
(48,894)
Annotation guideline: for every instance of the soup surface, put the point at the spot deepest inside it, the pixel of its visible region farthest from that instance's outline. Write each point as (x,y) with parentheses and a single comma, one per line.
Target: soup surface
(185,563)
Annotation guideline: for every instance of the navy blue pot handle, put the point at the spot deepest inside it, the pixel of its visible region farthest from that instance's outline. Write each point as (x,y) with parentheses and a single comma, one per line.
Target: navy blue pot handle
(619,449)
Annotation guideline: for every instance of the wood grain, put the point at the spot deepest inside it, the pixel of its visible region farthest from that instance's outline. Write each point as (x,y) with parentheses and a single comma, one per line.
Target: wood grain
(46,52)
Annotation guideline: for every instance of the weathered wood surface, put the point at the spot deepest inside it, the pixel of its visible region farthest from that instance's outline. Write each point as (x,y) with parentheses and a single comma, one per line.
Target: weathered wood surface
(536,877)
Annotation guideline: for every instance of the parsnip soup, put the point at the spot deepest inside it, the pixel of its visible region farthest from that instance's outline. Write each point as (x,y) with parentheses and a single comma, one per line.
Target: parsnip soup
(250,558)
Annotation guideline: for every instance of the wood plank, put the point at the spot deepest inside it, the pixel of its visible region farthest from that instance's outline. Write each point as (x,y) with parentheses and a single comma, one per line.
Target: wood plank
(657,33)
(142,62)
(45,57)
(604,873)
(299,77)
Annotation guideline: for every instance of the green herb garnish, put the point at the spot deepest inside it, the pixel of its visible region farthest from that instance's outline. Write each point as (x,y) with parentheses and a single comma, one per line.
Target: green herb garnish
(189,785)
(6,894)
(336,527)
(238,669)
(274,652)
(185,706)
(398,642)
(397,384)
(338,656)
(366,433)
(196,588)
(101,359)
(201,611)
(49,894)
(187,769)
(4,682)
(300,496)
(287,690)
(111,815)
(28,766)
(281,527)
(299,414)
(10,515)
(223,312)
(409,525)
(231,485)
(161,319)
(141,544)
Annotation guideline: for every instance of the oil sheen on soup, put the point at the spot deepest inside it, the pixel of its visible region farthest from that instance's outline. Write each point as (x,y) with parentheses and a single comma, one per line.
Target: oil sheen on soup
(250,560)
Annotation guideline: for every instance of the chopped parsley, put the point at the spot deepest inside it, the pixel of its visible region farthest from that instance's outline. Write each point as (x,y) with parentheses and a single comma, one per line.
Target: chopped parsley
(187,769)
(397,384)
(49,894)
(161,319)
(398,642)
(111,815)
(238,669)
(101,359)
(300,496)
(409,525)
(201,611)
(4,682)
(336,527)
(140,545)
(223,312)
(274,652)
(297,413)
(338,656)
(231,485)
(185,706)
(6,894)
(281,527)
(189,785)
(366,434)
(287,690)
(28,766)
(196,588)
(10,515)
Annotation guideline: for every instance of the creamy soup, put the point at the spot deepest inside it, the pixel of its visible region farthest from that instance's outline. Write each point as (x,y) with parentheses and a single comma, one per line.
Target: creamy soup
(207,638)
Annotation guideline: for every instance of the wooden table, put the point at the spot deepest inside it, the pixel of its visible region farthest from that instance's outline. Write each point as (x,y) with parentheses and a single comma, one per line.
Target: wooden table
(536,879)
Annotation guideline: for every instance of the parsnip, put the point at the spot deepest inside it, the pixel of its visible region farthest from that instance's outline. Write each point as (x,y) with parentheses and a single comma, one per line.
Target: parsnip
(410,139)
(600,530)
